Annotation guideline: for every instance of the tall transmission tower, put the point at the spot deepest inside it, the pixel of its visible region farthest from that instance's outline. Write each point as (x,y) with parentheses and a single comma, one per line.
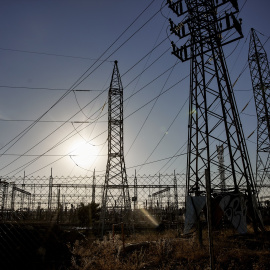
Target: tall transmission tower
(221,168)
(50,192)
(115,199)
(94,187)
(260,76)
(207,26)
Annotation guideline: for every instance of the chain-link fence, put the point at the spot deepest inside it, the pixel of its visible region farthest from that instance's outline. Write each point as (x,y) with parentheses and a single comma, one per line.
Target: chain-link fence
(39,198)
(31,206)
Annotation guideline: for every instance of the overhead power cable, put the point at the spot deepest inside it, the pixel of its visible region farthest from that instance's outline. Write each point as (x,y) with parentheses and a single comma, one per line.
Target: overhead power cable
(174,157)
(120,46)
(52,121)
(129,83)
(51,54)
(71,134)
(151,109)
(80,79)
(48,155)
(166,130)
(7,165)
(22,167)
(90,116)
(48,89)
(149,55)
(155,161)
(84,78)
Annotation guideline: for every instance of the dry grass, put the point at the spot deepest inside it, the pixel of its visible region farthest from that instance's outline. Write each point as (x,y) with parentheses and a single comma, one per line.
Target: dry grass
(168,251)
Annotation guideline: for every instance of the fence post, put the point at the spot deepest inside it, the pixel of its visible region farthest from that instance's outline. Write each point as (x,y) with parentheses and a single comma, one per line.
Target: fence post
(113,233)
(123,236)
(209,217)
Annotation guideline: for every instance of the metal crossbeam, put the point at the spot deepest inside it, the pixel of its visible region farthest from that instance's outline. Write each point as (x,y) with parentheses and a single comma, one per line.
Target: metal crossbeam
(213,115)
(260,76)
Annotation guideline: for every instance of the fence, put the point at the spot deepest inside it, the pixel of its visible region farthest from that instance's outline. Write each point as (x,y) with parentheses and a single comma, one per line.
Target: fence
(35,198)
(27,203)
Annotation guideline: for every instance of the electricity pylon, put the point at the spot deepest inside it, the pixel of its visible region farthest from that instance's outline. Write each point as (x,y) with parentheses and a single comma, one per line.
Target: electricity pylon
(221,169)
(206,26)
(116,204)
(260,76)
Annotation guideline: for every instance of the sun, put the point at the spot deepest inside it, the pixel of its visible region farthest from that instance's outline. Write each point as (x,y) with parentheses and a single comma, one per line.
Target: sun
(84,154)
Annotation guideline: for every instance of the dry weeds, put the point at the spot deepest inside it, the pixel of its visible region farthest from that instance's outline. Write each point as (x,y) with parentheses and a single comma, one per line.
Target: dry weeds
(169,251)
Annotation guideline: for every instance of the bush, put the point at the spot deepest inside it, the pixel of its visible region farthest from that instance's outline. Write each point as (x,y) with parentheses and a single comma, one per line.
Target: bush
(87,214)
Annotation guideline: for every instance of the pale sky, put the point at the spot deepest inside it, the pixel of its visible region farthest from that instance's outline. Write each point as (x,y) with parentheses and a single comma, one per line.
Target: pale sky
(45,48)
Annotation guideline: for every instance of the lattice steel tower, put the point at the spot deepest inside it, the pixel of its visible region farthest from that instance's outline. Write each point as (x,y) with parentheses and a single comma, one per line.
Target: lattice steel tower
(206,27)
(221,169)
(115,200)
(260,76)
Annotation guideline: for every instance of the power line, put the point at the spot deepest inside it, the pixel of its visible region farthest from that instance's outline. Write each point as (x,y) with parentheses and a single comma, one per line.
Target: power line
(125,99)
(155,161)
(66,137)
(47,155)
(151,108)
(167,128)
(48,89)
(51,54)
(113,52)
(81,78)
(52,121)
(151,18)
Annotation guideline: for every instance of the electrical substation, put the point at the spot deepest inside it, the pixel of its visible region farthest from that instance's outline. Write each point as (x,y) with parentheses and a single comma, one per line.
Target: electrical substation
(219,189)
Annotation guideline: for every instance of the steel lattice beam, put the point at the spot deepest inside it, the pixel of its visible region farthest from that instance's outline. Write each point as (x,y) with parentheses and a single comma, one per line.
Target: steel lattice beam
(260,76)
(116,190)
(213,117)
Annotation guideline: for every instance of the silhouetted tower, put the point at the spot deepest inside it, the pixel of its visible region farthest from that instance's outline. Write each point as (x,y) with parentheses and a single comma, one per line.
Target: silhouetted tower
(135,198)
(213,115)
(94,187)
(221,169)
(175,193)
(260,76)
(50,192)
(3,194)
(115,200)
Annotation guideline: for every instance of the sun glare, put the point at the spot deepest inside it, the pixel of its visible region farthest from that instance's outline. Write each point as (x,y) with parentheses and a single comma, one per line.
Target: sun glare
(84,154)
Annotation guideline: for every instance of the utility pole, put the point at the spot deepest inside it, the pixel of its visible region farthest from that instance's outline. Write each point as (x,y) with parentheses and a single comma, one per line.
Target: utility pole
(175,194)
(13,197)
(115,198)
(213,114)
(23,187)
(4,194)
(94,188)
(260,76)
(50,193)
(135,198)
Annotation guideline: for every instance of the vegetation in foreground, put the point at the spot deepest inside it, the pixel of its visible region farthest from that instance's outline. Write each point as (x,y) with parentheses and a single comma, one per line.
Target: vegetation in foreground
(168,250)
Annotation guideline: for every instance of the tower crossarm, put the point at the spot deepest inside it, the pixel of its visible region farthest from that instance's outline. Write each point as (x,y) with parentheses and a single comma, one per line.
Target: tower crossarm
(209,19)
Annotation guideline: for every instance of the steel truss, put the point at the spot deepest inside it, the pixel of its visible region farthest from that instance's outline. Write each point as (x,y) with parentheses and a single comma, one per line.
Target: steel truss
(116,190)
(213,115)
(260,76)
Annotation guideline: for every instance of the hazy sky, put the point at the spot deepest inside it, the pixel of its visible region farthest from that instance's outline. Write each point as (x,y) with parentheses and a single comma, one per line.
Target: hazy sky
(50,47)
